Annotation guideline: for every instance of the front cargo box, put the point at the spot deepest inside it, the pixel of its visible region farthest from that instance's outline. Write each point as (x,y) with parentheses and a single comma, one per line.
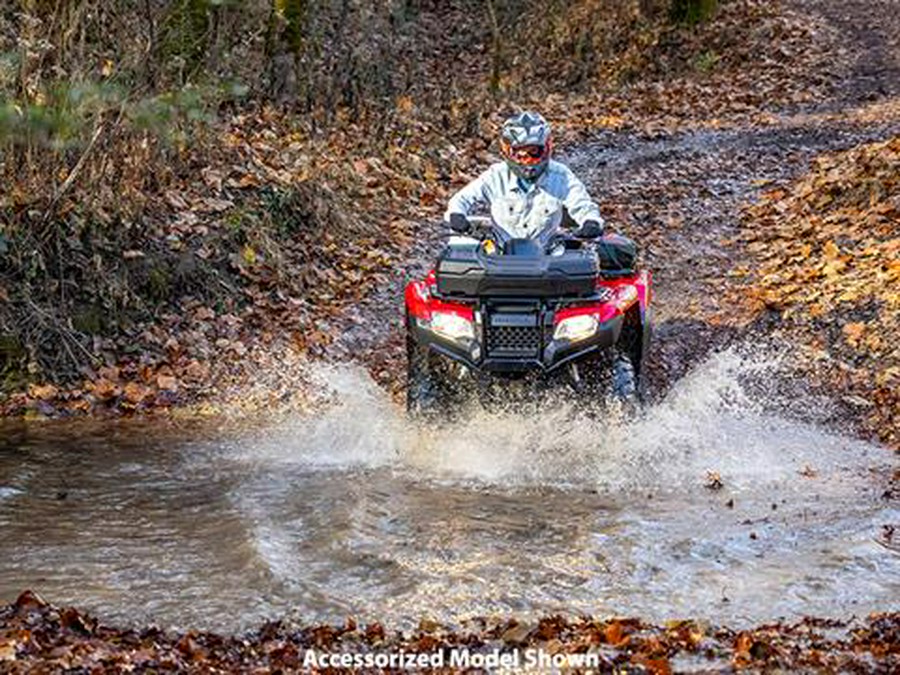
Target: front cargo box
(465,270)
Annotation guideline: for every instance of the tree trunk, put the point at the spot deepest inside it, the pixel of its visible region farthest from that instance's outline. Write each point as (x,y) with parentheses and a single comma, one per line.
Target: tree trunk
(496,49)
(692,11)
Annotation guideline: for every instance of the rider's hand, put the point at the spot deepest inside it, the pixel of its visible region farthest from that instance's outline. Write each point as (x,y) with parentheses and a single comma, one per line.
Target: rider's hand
(460,224)
(591,229)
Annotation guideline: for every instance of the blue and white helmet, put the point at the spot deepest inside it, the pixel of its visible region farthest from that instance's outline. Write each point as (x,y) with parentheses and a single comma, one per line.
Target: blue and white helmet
(526,143)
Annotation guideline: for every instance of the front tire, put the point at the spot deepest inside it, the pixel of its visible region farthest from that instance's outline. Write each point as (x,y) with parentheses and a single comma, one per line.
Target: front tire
(424,388)
(610,382)
(623,380)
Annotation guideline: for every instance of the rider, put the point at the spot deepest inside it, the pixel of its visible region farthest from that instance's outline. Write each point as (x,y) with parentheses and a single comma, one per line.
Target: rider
(528,193)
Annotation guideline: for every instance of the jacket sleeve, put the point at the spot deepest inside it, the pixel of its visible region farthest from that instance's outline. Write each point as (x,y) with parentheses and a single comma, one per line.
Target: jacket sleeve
(478,191)
(579,203)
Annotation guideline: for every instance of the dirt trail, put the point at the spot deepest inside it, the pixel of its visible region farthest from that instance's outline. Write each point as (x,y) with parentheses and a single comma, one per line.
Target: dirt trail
(872,32)
(680,195)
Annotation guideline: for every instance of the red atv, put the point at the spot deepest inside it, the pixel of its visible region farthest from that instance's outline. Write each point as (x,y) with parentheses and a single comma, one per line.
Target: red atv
(496,309)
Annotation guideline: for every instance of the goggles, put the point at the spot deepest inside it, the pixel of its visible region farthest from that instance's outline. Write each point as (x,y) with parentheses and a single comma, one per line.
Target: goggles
(528,154)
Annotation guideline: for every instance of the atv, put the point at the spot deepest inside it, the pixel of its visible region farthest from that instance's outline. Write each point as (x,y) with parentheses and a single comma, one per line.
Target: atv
(496,310)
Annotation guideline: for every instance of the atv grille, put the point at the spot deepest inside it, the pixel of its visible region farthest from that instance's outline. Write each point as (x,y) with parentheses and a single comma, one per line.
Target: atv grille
(520,341)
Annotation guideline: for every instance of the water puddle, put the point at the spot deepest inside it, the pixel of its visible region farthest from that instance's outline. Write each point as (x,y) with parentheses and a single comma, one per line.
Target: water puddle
(357,512)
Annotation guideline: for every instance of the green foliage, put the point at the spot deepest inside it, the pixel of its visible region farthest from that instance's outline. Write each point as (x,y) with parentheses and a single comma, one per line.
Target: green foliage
(706,61)
(9,69)
(692,11)
(159,283)
(289,212)
(13,358)
(88,319)
(172,114)
(60,116)
(187,33)
(295,18)
(65,115)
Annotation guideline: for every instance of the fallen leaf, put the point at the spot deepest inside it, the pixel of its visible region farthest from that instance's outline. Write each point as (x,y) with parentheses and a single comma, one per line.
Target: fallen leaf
(105,389)
(135,392)
(616,633)
(196,371)
(43,392)
(166,383)
(713,481)
(109,373)
(853,332)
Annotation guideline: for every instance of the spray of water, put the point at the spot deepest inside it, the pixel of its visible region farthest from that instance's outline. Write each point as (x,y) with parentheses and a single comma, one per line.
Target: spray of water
(708,422)
(356,510)
(558,511)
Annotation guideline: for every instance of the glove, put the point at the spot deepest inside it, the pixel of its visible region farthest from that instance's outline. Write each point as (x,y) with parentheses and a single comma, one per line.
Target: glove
(591,229)
(460,224)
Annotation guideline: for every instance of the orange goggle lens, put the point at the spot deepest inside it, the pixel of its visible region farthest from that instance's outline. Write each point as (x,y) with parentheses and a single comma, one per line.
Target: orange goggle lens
(527,154)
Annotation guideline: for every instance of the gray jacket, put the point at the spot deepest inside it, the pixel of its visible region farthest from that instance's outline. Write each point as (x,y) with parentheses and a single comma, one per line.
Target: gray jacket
(523,210)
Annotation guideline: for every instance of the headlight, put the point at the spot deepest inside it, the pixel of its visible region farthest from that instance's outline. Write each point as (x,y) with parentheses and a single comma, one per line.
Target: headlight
(451,326)
(576,328)
(625,296)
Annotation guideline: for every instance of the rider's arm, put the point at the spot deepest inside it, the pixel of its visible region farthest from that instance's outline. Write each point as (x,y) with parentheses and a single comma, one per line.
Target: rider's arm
(579,203)
(478,191)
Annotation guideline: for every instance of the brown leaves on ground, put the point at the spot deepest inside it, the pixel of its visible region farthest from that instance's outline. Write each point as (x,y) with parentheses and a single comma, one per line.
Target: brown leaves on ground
(36,634)
(280,225)
(752,59)
(286,259)
(825,254)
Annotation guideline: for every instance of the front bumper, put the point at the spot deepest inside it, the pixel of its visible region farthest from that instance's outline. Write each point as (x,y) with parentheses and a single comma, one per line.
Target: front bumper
(552,355)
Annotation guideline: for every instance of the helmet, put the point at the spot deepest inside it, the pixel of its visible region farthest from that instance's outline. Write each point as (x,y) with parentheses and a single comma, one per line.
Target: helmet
(526,143)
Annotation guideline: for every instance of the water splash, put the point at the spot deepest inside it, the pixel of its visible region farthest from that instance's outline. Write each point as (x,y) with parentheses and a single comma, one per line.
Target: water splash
(359,427)
(707,422)
(7,492)
(355,510)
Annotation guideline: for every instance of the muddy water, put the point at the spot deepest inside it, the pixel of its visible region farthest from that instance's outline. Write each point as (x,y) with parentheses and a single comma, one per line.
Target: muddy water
(356,512)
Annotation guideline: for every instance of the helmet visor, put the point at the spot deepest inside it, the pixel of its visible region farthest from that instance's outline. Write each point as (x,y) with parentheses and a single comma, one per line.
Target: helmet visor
(528,155)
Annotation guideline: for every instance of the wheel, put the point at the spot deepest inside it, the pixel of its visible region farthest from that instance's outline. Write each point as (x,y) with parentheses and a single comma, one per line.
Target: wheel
(609,382)
(424,386)
(623,380)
